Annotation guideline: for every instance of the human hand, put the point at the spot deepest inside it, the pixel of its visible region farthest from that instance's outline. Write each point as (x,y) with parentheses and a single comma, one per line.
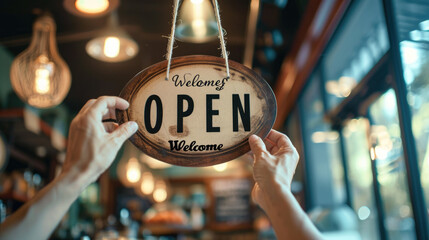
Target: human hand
(275,161)
(92,144)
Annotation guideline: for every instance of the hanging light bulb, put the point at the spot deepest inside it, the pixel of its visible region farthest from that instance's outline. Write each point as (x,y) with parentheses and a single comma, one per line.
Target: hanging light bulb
(198,24)
(39,75)
(114,45)
(133,171)
(160,193)
(147,183)
(90,8)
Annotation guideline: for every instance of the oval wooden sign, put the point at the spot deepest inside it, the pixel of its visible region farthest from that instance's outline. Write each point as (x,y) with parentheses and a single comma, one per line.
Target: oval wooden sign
(198,117)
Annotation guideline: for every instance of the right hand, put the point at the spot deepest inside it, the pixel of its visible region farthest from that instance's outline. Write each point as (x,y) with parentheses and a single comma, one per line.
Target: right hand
(274,165)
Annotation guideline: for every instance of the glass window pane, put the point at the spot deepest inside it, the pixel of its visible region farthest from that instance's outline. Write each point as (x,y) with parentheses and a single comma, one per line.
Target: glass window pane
(413,22)
(359,43)
(360,176)
(321,145)
(389,155)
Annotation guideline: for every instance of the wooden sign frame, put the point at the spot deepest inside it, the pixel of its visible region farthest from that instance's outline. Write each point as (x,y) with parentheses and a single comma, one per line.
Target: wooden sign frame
(238,73)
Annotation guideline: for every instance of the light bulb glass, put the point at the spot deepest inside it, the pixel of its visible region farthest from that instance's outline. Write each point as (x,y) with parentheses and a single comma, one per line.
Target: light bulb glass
(39,75)
(199,28)
(147,183)
(111,47)
(133,171)
(92,6)
(196,1)
(42,81)
(160,193)
(197,22)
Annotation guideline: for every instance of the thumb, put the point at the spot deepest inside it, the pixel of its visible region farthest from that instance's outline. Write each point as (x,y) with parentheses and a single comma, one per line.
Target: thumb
(123,132)
(256,144)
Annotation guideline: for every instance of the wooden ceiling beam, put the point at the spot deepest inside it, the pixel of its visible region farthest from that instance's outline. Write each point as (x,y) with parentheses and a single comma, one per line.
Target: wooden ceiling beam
(319,22)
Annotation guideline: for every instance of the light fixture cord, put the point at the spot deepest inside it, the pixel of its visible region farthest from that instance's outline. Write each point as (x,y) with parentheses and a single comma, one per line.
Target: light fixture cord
(173,29)
(171,38)
(221,38)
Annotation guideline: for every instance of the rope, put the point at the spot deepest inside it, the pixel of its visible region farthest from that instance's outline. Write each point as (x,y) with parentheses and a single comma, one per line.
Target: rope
(171,38)
(221,38)
(173,29)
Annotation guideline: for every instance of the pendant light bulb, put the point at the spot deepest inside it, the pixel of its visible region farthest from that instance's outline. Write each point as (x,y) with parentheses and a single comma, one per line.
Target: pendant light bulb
(92,6)
(114,45)
(133,171)
(160,192)
(39,75)
(147,183)
(198,24)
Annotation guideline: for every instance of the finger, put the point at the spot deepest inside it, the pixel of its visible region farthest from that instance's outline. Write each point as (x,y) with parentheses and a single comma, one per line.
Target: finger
(269,144)
(110,126)
(88,104)
(257,145)
(111,114)
(280,139)
(123,132)
(103,104)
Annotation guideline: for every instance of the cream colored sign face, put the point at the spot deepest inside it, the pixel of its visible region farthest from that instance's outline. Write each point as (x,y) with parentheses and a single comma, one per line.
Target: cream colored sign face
(198,117)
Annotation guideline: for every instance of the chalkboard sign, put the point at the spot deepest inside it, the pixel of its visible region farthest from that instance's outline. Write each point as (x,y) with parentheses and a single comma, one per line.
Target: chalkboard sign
(232,200)
(198,116)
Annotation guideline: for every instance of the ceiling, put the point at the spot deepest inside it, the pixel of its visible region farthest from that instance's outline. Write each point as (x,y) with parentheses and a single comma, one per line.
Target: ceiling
(147,21)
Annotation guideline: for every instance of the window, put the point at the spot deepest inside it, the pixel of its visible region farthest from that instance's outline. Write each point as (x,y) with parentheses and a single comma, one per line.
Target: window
(389,156)
(360,176)
(359,43)
(321,147)
(412,19)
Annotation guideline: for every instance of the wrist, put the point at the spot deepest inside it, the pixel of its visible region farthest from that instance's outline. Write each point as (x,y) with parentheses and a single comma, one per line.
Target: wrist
(275,194)
(72,181)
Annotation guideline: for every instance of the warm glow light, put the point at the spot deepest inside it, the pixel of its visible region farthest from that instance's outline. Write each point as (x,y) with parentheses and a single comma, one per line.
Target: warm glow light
(39,75)
(92,6)
(147,184)
(197,22)
(160,192)
(42,81)
(159,195)
(199,28)
(133,170)
(220,167)
(111,47)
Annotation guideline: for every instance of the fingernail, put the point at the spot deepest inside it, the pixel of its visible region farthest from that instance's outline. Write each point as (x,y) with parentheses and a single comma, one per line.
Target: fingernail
(133,126)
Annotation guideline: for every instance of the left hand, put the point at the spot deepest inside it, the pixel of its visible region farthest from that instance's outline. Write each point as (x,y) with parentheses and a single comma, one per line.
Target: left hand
(92,144)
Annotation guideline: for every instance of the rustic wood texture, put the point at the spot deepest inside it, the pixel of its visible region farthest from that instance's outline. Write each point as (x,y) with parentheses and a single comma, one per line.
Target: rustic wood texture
(150,81)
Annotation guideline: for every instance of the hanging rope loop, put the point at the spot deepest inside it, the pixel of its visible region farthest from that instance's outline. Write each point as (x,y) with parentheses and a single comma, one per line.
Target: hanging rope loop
(171,38)
(221,37)
(173,29)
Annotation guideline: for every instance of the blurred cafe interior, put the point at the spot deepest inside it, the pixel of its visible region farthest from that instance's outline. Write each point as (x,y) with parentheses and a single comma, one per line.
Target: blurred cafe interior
(351,81)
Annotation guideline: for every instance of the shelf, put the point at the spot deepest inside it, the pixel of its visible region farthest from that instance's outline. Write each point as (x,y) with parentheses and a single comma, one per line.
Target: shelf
(26,134)
(169,229)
